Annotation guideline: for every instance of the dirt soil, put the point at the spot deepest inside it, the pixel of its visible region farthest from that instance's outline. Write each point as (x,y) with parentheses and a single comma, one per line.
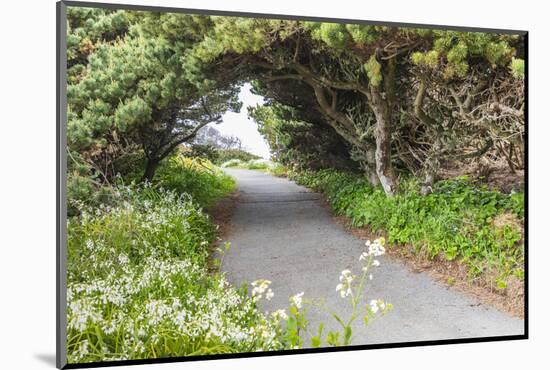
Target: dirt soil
(220,214)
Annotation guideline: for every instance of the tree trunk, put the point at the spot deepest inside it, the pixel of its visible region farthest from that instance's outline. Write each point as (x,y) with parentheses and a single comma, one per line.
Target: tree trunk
(150,170)
(370,167)
(384,168)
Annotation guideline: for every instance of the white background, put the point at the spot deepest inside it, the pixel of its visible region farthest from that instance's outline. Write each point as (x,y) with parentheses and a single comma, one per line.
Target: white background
(27,182)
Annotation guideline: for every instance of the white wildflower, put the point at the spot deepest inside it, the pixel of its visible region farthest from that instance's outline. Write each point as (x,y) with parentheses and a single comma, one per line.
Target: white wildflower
(375,248)
(123,259)
(260,287)
(89,244)
(346,276)
(377,305)
(279,314)
(344,288)
(296,300)
(82,350)
(374,305)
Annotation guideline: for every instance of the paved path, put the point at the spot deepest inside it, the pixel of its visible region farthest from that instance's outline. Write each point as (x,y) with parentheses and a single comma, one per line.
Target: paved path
(281,232)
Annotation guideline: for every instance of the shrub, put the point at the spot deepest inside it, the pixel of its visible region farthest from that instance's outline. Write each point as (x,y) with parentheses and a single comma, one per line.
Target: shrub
(258,164)
(224,155)
(197,177)
(84,186)
(253,164)
(458,221)
(278,170)
(233,163)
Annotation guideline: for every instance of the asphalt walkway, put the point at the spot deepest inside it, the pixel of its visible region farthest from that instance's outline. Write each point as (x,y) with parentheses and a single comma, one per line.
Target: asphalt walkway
(281,232)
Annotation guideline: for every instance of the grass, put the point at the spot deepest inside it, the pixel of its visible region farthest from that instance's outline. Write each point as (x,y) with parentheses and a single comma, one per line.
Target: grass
(253,164)
(459,221)
(278,170)
(273,168)
(197,177)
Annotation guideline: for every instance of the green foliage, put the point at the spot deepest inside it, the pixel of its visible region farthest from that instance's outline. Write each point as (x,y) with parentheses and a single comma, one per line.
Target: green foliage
(458,48)
(84,186)
(518,68)
(133,90)
(458,221)
(295,143)
(429,59)
(225,155)
(197,177)
(132,113)
(204,151)
(239,35)
(278,170)
(139,287)
(333,34)
(363,34)
(258,164)
(253,164)
(342,36)
(374,71)
(234,163)
(87,29)
(82,190)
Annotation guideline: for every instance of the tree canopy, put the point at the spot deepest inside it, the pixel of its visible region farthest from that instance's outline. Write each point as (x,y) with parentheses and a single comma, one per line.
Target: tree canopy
(135,92)
(388,100)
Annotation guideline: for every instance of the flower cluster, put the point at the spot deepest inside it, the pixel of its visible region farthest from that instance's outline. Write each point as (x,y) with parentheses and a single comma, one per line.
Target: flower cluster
(346,278)
(279,315)
(377,304)
(260,287)
(296,300)
(350,288)
(376,248)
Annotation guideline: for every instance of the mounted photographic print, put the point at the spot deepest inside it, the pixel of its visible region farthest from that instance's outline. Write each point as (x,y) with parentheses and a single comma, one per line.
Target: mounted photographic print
(234,184)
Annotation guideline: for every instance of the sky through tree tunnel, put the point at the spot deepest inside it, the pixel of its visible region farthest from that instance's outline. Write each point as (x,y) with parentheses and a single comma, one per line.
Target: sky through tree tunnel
(243,127)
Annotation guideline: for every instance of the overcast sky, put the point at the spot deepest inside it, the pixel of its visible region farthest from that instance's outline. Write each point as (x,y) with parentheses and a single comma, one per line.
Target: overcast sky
(238,124)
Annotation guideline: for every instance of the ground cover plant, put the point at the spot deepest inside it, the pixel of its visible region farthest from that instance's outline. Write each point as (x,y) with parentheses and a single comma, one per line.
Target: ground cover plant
(459,220)
(198,177)
(271,167)
(147,293)
(253,164)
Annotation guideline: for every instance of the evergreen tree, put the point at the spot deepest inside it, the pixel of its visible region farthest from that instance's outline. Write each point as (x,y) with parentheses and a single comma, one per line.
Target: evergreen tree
(135,91)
